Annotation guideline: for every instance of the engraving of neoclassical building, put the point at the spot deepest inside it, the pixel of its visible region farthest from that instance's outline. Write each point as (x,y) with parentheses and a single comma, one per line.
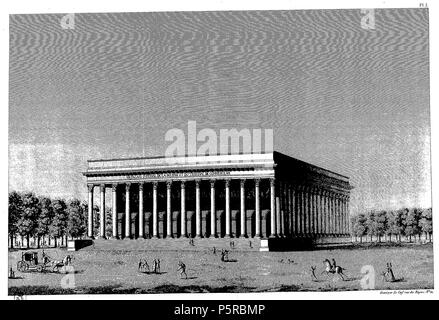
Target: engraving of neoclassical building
(265,195)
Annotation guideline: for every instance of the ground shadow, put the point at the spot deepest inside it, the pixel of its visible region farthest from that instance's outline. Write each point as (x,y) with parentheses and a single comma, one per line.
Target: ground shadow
(152,272)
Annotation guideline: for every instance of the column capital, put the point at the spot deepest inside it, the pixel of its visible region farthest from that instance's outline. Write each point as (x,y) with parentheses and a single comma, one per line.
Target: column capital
(127,186)
(140,186)
(168,184)
(257,181)
(227,183)
(272,181)
(154,185)
(102,187)
(90,187)
(114,187)
(182,184)
(212,183)
(242,182)
(197,183)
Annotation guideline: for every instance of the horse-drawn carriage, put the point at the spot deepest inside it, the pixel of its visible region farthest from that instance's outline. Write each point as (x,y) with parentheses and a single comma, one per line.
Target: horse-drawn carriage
(29,262)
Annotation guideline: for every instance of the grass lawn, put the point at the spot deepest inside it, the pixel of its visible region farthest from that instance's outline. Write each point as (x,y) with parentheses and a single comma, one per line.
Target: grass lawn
(116,271)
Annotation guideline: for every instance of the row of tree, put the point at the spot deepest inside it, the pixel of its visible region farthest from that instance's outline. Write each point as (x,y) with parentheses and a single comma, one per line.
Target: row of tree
(410,223)
(40,218)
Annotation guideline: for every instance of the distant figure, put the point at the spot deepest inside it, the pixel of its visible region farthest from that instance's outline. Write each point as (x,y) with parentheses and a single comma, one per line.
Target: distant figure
(232,244)
(182,269)
(250,244)
(389,272)
(143,264)
(158,265)
(224,255)
(313,273)
(214,250)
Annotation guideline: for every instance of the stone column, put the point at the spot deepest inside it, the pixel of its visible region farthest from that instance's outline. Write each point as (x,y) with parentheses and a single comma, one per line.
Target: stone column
(313,212)
(114,208)
(168,210)
(299,209)
(90,210)
(102,212)
(141,217)
(282,208)
(290,211)
(348,215)
(183,210)
(242,209)
(293,211)
(332,220)
(339,216)
(212,210)
(272,208)
(328,198)
(197,209)
(257,209)
(325,213)
(278,210)
(127,211)
(304,210)
(154,210)
(228,220)
(309,207)
(319,211)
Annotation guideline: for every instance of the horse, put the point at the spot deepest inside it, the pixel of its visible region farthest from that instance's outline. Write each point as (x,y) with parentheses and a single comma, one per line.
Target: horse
(333,268)
(143,264)
(67,260)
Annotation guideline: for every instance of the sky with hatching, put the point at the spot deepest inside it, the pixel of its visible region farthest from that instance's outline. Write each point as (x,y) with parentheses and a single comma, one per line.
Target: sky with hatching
(348,99)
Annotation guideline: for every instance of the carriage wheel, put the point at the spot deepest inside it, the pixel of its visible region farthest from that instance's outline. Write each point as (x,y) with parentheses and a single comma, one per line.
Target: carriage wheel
(40,268)
(55,269)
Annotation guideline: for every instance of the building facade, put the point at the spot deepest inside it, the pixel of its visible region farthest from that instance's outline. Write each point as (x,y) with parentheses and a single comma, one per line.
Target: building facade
(266,195)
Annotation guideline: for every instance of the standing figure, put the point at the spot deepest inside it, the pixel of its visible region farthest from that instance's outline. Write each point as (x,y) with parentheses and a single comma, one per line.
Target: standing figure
(182,269)
(158,265)
(313,273)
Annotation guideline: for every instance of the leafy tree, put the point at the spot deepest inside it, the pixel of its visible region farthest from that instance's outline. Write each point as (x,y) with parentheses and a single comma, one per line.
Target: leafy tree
(44,219)
(58,227)
(27,221)
(380,224)
(96,220)
(14,211)
(394,224)
(412,223)
(76,225)
(426,223)
(359,226)
(108,222)
(371,224)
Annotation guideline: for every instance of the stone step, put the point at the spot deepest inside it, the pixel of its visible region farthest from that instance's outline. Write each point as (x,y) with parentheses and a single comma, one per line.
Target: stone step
(252,244)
